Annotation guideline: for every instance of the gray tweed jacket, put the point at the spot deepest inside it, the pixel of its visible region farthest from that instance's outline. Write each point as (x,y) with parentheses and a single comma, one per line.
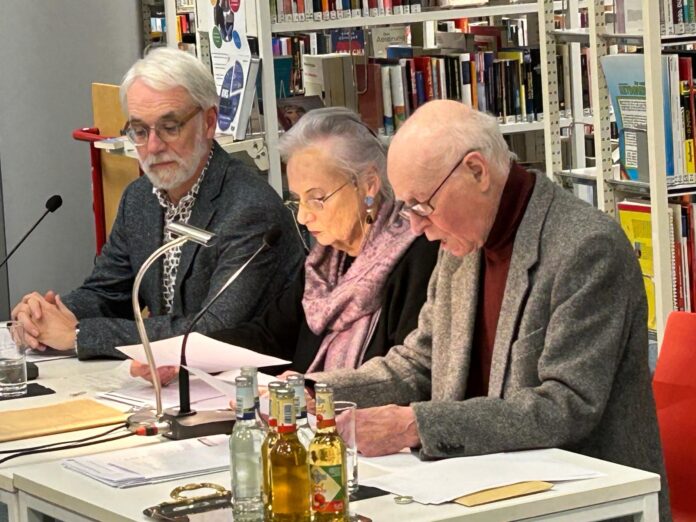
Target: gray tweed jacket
(570,361)
(234,202)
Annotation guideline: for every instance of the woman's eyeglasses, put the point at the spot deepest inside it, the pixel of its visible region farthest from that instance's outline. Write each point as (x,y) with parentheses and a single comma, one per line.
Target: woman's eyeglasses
(314,204)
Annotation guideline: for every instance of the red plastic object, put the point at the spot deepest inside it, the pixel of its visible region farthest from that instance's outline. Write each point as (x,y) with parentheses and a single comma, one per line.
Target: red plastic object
(674,386)
(91,134)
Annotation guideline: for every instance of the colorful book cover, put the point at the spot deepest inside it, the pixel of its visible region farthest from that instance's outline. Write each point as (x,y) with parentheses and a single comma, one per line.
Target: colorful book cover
(636,223)
(625,76)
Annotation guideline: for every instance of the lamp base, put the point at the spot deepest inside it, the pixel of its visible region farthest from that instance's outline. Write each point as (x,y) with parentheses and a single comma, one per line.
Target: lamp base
(198,424)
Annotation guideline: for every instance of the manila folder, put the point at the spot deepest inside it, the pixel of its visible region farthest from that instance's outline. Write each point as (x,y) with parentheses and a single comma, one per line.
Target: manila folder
(56,418)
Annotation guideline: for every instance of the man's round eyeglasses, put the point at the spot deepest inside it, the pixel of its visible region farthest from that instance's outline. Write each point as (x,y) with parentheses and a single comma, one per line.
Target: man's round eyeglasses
(313,204)
(167,130)
(425,208)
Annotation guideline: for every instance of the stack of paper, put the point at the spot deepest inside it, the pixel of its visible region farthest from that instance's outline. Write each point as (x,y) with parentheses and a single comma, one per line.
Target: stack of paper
(446,480)
(156,462)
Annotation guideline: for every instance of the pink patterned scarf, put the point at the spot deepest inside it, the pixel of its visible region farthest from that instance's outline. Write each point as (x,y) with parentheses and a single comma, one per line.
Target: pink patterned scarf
(345,307)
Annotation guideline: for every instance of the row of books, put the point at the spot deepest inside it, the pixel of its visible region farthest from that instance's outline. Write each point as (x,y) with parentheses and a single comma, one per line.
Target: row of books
(635,219)
(387,90)
(625,77)
(375,41)
(324,10)
(186,24)
(676,16)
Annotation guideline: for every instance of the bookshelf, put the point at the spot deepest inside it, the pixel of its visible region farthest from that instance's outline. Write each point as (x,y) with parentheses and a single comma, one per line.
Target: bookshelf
(601,41)
(266,30)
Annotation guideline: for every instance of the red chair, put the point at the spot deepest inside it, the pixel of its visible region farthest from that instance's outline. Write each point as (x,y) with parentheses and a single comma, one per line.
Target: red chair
(674,385)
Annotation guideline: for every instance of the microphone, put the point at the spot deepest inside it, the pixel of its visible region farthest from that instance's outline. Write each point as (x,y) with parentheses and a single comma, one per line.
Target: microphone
(184,429)
(52,204)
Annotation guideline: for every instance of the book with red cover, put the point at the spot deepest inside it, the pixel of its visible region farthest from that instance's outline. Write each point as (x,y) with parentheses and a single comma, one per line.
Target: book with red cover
(370,103)
(424,66)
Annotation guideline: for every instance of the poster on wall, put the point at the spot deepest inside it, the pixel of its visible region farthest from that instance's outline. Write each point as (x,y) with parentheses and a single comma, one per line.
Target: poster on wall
(231,59)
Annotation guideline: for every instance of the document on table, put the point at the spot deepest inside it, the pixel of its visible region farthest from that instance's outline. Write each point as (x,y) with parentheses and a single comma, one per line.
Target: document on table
(204,353)
(155,463)
(141,393)
(446,480)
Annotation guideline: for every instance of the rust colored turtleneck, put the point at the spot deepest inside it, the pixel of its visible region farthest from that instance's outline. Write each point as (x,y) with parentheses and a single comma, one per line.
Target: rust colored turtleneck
(495,262)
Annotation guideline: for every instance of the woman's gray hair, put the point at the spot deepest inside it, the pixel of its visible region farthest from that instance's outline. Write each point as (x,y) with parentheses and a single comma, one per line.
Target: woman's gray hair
(165,68)
(355,149)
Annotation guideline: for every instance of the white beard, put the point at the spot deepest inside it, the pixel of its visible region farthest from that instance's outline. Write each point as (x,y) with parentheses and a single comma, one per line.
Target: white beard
(172,177)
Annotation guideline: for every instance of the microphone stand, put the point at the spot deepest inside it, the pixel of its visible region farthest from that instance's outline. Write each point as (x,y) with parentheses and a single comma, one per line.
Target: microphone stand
(187,423)
(184,392)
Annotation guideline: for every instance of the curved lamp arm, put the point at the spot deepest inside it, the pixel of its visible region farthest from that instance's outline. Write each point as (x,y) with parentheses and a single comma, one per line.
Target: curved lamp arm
(185,233)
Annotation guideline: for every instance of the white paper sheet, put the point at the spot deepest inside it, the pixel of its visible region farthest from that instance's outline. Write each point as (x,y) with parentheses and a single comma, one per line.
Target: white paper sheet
(155,463)
(445,480)
(140,393)
(405,459)
(202,352)
(230,390)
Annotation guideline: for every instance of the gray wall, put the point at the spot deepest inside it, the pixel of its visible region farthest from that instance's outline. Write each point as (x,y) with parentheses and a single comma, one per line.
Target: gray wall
(51,53)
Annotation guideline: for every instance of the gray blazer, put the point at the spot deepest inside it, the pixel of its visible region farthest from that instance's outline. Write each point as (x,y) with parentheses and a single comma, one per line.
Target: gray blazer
(570,360)
(236,203)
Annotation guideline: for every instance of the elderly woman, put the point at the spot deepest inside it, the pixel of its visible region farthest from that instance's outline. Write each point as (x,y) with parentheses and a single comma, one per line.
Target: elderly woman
(365,279)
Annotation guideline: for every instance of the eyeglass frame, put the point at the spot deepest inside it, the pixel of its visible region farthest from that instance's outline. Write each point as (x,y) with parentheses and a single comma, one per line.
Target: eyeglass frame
(180,123)
(318,203)
(426,208)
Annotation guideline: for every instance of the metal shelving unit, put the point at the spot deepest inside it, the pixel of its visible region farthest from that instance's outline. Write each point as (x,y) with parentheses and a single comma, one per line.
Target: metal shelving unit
(608,189)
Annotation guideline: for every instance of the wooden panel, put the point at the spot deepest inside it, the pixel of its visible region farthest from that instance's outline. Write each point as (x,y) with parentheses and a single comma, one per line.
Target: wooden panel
(117,171)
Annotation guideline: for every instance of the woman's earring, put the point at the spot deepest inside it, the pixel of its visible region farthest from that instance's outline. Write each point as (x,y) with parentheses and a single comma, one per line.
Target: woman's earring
(370,204)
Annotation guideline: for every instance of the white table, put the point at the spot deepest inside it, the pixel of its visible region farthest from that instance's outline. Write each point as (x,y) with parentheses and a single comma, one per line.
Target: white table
(38,483)
(70,379)
(50,489)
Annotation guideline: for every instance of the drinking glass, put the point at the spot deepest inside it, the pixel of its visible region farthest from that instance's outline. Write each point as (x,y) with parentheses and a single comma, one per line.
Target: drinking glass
(13,364)
(345,419)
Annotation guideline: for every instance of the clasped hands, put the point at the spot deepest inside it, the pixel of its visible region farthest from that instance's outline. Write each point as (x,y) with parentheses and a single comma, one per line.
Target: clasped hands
(47,321)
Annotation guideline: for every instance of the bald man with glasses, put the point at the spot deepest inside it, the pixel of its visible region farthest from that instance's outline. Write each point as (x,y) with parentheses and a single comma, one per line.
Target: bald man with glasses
(534,332)
(171,102)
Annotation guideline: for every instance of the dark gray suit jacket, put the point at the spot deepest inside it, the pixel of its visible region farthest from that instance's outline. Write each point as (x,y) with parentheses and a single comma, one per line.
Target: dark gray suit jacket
(570,359)
(236,203)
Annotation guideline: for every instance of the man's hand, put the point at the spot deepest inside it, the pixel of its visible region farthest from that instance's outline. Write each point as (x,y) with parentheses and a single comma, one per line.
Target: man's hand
(29,311)
(56,325)
(385,430)
(166,373)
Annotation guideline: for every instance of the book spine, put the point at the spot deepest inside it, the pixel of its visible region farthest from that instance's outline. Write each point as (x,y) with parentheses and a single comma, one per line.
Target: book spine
(387,102)
(397,96)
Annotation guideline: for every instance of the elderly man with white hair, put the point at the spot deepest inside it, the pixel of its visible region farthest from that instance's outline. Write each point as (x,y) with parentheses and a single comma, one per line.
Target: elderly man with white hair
(171,102)
(534,331)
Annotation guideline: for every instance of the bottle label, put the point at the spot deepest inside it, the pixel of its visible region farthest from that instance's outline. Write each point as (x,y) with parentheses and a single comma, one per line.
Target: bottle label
(326,416)
(286,416)
(245,404)
(328,489)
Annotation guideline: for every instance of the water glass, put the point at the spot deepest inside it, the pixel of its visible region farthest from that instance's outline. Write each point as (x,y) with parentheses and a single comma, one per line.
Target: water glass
(13,364)
(345,419)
